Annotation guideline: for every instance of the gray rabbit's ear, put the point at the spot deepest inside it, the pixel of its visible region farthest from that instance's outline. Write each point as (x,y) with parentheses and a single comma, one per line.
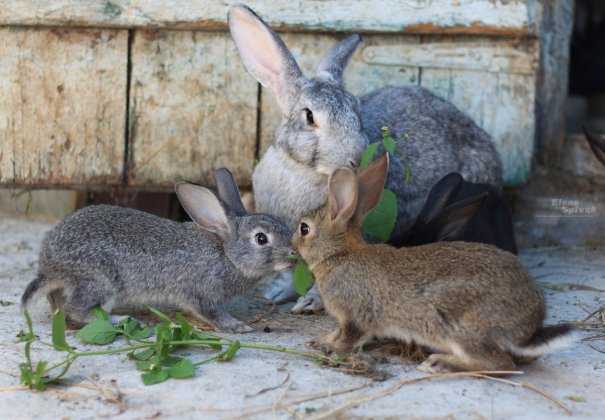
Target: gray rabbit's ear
(205,209)
(597,144)
(332,65)
(342,196)
(371,185)
(228,192)
(265,56)
(440,196)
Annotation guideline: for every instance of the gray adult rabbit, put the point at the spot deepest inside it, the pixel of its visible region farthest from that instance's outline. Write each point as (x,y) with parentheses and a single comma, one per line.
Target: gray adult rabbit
(112,256)
(324,127)
(473,304)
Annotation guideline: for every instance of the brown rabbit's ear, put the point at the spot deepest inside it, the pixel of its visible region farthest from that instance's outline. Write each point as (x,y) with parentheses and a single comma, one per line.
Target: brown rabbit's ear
(371,185)
(342,195)
(204,208)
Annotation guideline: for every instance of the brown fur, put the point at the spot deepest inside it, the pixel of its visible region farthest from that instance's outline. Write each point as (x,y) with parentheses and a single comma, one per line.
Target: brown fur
(471,303)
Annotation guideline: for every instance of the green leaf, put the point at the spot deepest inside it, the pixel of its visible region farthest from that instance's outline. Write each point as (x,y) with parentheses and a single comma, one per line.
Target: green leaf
(389,144)
(141,333)
(26,375)
(303,277)
(142,355)
(380,222)
(170,360)
(58,331)
(159,314)
(230,353)
(198,335)
(368,155)
(39,374)
(155,377)
(99,313)
(163,331)
(335,360)
(147,365)
(132,328)
(98,332)
(186,327)
(183,369)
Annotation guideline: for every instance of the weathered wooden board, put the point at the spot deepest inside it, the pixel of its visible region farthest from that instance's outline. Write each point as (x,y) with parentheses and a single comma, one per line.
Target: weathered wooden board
(553,80)
(62,106)
(495,86)
(510,17)
(502,103)
(360,77)
(192,109)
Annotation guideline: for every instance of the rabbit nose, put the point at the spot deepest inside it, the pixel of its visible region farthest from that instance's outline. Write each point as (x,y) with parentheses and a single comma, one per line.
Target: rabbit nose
(292,252)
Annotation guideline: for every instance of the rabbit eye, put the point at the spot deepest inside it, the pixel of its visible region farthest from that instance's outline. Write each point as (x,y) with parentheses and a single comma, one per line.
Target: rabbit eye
(304,229)
(261,238)
(309,115)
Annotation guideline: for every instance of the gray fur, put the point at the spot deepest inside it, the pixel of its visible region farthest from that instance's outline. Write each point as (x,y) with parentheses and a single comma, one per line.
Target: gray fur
(113,256)
(291,177)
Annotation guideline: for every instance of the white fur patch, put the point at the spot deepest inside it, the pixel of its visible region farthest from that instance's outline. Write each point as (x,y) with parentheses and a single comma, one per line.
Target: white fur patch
(407,336)
(555,344)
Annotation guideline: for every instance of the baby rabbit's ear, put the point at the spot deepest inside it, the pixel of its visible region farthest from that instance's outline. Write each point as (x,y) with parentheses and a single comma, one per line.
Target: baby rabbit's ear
(442,194)
(453,222)
(265,56)
(332,65)
(371,185)
(597,144)
(342,196)
(205,208)
(228,192)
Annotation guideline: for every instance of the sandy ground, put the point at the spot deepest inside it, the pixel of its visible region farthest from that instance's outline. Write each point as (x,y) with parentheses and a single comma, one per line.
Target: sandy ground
(263,384)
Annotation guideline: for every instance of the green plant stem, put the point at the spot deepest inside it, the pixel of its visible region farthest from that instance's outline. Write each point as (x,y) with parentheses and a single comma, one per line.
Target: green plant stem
(114,351)
(74,355)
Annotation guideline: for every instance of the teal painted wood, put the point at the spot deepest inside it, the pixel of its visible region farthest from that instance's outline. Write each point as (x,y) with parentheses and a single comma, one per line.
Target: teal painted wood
(516,17)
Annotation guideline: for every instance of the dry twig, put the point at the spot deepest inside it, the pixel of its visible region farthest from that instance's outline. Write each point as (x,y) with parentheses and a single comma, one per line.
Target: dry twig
(353,402)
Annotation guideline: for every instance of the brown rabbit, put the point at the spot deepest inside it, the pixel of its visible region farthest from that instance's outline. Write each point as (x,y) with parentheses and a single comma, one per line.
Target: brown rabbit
(473,304)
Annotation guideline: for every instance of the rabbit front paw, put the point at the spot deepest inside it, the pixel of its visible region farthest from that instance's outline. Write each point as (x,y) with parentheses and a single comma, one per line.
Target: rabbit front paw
(312,303)
(282,288)
(236,327)
(321,345)
(436,363)
(325,344)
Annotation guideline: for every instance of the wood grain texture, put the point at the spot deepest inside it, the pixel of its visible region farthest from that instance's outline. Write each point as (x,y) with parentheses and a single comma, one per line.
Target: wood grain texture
(192,109)
(553,79)
(511,17)
(501,103)
(62,107)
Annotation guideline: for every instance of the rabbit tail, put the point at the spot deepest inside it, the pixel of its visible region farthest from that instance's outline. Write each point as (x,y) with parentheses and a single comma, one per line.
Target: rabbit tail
(546,340)
(31,289)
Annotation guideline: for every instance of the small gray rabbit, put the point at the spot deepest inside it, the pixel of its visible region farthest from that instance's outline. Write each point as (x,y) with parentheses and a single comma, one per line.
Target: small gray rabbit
(473,304)
(324,127)
(112,256)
